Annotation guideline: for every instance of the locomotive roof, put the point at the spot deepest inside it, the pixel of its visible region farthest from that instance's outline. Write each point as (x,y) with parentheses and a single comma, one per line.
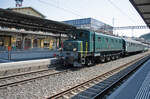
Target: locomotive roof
(99,33)
(108,35)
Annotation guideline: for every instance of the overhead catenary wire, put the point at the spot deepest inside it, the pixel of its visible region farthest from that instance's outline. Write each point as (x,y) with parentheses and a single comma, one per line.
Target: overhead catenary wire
(61,8)
(121,11)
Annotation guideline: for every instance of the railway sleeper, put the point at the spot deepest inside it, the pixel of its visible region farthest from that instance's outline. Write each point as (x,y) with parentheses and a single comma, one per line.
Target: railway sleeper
(87,93)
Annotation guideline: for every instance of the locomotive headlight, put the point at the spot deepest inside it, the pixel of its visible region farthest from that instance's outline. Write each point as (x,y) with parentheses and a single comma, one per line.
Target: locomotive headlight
(60,49)
(74,49)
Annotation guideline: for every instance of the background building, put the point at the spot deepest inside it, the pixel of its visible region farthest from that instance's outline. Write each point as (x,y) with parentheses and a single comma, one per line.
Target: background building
(27,11)
(92,24)
(29,37)
(26,41)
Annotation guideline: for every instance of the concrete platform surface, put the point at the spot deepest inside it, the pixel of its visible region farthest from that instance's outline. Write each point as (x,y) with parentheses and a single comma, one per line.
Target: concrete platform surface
(26,64)
(4,61)
(136,87)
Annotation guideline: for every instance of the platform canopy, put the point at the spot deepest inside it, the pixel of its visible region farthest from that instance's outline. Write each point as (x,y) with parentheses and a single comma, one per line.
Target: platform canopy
(17,20)
(143,8)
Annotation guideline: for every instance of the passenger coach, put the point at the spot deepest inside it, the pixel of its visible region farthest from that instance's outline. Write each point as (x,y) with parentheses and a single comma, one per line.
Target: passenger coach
(132,46)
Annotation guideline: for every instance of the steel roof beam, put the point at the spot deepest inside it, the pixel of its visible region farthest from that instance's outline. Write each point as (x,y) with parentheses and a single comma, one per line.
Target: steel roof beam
(145,12)
(137,5)
(147,18)
(142,4)
(22,21)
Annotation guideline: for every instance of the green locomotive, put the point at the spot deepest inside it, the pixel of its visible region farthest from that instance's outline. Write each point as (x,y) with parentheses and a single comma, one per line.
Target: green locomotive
(86,47)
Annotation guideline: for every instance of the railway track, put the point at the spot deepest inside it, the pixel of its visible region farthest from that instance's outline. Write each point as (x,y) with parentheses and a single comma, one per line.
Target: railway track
(13,80)
(97,87)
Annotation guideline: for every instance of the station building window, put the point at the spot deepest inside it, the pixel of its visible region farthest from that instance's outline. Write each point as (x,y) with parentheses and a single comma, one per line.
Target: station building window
(46,44)
(27,43)
(5,41)
(18,43)
(35,43)
(2,43)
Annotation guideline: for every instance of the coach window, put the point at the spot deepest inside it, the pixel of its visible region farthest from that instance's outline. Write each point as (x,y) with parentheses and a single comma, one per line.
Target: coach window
(128,44)
(92,37)
(120,41)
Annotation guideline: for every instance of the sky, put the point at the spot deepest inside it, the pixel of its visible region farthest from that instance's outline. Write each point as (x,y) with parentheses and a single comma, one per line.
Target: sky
(113,12)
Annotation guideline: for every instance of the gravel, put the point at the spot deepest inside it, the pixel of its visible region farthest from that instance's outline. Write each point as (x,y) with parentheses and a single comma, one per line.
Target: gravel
(48,86)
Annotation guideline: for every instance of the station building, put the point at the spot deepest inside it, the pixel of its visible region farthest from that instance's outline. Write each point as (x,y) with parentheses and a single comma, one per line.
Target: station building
(92,24)
(28,39)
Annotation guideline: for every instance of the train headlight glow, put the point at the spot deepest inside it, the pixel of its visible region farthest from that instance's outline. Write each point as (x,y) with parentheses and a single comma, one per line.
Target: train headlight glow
(60,49)
(74,49)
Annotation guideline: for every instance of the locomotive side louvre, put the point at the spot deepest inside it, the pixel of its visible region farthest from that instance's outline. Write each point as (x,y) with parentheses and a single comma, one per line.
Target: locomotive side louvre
(109,44)
(107,47)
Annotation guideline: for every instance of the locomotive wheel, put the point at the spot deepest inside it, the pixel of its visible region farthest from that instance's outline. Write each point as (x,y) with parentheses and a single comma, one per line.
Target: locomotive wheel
(89,62)
(113,57)
(117,56)
(97,60)
(108,58)
(102,59)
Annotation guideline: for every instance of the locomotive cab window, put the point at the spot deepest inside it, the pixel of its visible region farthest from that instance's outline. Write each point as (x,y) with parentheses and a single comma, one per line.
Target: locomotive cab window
(81,34)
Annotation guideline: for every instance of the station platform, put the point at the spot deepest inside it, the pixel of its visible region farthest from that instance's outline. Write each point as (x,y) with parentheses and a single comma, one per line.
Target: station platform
(136,87)
(6,56)
(16,67)
(4,61)
(27,64)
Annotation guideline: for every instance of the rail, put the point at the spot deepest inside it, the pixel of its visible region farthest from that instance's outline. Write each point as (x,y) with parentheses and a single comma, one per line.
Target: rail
(27,76)
(99,82)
